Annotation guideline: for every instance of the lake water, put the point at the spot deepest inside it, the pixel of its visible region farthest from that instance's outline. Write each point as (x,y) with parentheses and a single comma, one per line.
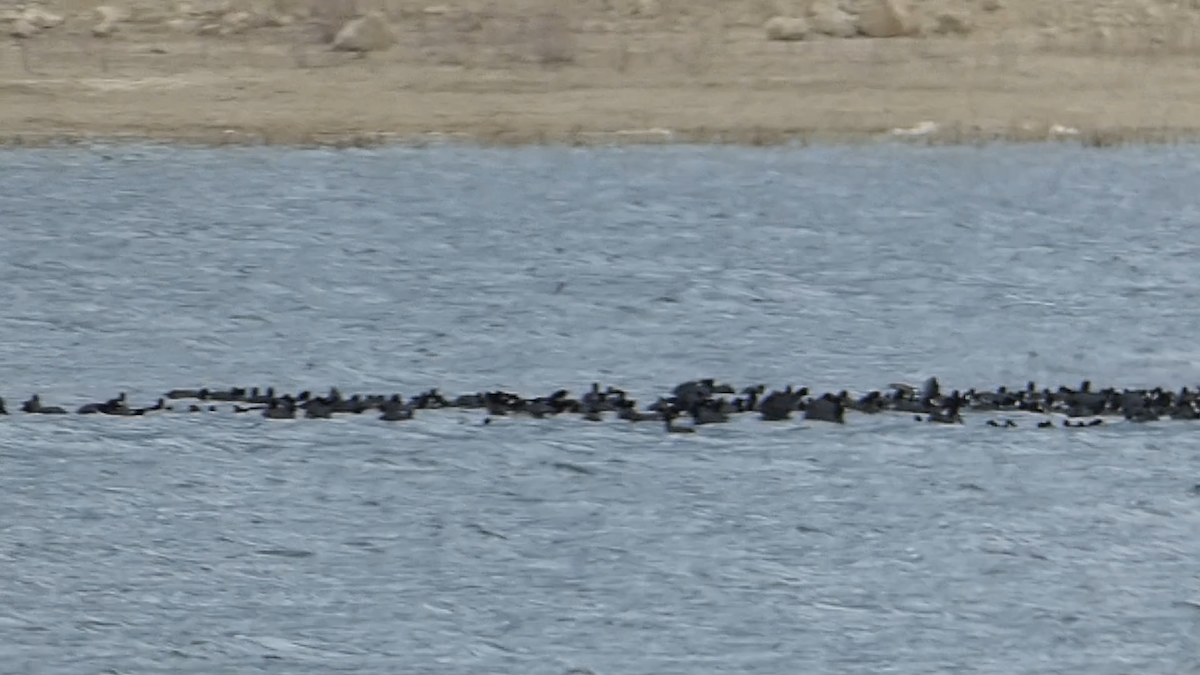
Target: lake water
(230,544)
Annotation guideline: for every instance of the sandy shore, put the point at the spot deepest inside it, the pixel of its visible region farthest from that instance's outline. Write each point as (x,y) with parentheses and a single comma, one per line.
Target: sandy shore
(596,80)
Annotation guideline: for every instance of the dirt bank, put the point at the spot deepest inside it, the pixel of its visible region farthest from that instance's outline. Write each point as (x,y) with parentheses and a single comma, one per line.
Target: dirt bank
(600,71)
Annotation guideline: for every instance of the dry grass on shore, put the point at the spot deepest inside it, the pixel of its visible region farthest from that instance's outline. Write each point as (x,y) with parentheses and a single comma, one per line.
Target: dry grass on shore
(532,71)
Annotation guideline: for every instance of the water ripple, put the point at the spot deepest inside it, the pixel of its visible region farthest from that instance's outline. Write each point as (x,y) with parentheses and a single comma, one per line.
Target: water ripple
(215,544)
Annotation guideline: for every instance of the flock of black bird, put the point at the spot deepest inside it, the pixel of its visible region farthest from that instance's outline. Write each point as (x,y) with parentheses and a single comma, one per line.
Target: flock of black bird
(703,401)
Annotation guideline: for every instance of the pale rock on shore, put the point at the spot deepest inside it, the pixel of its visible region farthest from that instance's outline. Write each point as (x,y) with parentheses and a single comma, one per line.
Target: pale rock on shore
(21,29)
(107,20)
(824,18)
(370,33)
(867,18)
(345,25)
(786,28)
(41,19)
(828,18)
(31,21)
(885,19)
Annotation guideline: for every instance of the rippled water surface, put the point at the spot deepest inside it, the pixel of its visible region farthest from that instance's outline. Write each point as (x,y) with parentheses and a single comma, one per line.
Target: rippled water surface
(227,544)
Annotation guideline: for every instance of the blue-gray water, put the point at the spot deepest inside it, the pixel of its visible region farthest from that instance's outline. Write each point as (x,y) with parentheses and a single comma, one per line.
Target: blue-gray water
(223,544)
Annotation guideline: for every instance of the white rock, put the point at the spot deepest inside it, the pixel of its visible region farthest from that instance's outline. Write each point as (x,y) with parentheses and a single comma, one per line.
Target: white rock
(143,12)
(370,33)
(885,18)
(42,19)
(109,14)
(647,9)
(21,28)
(107,18)
(921,129)
(211,9)
(786,28)
(185,26)
(827,18)
(235,23)
(275,20)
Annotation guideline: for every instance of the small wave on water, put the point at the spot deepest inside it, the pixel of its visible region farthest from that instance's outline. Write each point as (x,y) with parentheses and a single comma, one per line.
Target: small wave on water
(219,542)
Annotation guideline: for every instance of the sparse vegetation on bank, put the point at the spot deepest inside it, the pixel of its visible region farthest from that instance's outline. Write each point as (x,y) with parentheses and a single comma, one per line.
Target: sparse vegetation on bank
(362,72)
